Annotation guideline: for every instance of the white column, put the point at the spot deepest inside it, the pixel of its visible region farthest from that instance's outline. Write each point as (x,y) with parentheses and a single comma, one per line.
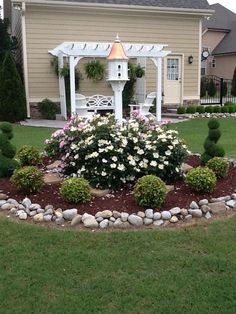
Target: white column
(141,82)
(72,85)
(118,89)
(62,89)
(159,89)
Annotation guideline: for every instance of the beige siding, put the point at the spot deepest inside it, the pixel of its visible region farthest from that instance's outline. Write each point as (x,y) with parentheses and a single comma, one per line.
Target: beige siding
(212,39)
(7,9)
(48,27)
(224,66)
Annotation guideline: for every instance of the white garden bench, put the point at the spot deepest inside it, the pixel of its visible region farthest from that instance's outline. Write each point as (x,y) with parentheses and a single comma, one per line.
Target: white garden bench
(88,106)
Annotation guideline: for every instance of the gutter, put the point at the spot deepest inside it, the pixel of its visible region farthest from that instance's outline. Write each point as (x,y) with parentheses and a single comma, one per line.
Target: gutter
(25,61)
(122,7)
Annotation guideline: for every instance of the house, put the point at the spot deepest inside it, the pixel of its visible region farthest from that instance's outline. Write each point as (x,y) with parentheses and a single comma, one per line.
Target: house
(42,25)
(219,37)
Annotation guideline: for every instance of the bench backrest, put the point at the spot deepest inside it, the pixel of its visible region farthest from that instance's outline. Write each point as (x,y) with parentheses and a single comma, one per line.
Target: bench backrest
(100,101)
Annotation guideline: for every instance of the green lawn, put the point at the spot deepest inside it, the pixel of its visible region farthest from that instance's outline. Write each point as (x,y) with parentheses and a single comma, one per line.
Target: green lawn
(30,136)
(189,270)
(195,131)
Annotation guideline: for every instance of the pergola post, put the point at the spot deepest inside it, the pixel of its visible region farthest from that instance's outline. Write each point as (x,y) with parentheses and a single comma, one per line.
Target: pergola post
(72,85)
(159,90)
(62,89)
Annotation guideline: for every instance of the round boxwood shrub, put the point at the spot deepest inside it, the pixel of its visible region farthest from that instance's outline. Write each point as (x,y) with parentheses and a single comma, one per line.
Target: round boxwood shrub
(200,109)
(191,110)
(219,166)
(28,179)
(217,109)
(201,179)
(76,190)
(181,110)
(209,109)
(150,191)
(225,109)
(28,155)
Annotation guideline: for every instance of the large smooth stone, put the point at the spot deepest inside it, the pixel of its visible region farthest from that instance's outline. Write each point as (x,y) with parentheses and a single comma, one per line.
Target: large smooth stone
(76,220)
(149,213)
(175,211)
(197,213)
(38,217)
(106,214)
(158,223)
(156,216)
(165,215)
(90,222)
(26,202)
(217,208)
(124,217)
(135,220)
(69,214)
(3,197)
(104,224)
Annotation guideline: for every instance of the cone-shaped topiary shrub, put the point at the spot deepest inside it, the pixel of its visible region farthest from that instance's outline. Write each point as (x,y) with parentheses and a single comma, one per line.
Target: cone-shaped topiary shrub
(12,97)
(212,149)
(7,151)
(211,88)
(233,89)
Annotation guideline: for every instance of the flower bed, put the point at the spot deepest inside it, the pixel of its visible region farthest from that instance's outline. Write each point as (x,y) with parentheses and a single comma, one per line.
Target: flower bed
(111,155)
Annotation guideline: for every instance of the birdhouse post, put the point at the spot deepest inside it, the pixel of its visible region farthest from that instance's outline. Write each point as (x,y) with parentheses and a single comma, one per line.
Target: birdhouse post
(118,75)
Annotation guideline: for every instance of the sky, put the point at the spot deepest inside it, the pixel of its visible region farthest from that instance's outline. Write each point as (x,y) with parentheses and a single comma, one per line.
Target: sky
(230,4)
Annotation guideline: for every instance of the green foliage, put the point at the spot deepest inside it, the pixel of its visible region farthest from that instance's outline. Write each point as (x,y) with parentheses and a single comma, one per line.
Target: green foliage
(212,149)
(181,110)
(211,88)
(224,88)
(28,179)
(48,109)
(28,155)
(7,151)
(191,109)
(200,109)
(232,108)
(94,70)
(150,191)
(229,103)
(139,71)
(201,179)
(76,190)
(203,87)
(209,109)
(217,109)
(225,109)
(12,97)
(233,88)
(213,124)
(128,92)
(8,43)
(219,166)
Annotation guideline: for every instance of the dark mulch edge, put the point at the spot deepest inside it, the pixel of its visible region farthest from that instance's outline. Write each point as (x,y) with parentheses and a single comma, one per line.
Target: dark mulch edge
(123,200)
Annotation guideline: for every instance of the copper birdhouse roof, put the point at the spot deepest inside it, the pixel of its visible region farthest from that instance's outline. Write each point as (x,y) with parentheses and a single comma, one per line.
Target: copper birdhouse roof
(117,51)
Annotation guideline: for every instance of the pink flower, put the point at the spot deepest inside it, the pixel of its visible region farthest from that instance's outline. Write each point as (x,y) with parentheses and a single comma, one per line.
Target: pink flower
(62,144)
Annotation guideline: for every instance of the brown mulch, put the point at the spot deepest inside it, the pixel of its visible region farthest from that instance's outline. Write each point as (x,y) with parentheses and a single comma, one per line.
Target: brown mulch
(123,200)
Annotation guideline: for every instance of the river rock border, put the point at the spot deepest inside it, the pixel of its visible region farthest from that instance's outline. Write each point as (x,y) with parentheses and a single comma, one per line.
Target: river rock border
(204,209)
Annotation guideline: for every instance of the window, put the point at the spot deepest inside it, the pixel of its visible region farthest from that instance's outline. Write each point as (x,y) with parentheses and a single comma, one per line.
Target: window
(172,69)
(213,63)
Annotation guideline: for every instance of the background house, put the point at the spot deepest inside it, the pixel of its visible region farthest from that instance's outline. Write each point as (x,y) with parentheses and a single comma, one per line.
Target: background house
(41,25)
(219,37)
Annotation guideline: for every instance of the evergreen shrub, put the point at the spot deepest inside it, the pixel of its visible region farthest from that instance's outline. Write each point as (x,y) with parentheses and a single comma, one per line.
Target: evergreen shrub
(28,155)
(76,190)
(150,191)
(201,179)
(28,179)
(219,166)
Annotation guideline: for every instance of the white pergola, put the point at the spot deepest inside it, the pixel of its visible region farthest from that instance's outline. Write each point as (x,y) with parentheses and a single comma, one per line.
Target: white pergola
(76,51)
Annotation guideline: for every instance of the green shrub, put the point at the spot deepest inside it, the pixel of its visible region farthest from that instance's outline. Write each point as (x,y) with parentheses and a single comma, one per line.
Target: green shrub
(233,89)
(7,151)
(224,88)
(191,109)
(12,96)
(229,103)
(211,88)
(212,149)
(28,179)
(232,108)
(181,110)
(76,190)
(225,109)
(201,179)
(200,109)
(203,87)
(209,109)
(150,191)
(28,155)
(219,166)
(48,109)
(217,109)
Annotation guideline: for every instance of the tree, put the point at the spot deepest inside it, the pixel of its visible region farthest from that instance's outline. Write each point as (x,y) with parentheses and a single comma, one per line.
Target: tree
(233,90)
(211,88)
(12,97)
(7,42)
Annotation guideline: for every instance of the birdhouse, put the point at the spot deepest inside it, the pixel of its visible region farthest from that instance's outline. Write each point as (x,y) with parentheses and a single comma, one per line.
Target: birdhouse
(117,63)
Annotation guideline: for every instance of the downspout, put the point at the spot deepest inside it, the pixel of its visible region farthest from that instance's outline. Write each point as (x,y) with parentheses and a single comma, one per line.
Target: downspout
(25,61)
